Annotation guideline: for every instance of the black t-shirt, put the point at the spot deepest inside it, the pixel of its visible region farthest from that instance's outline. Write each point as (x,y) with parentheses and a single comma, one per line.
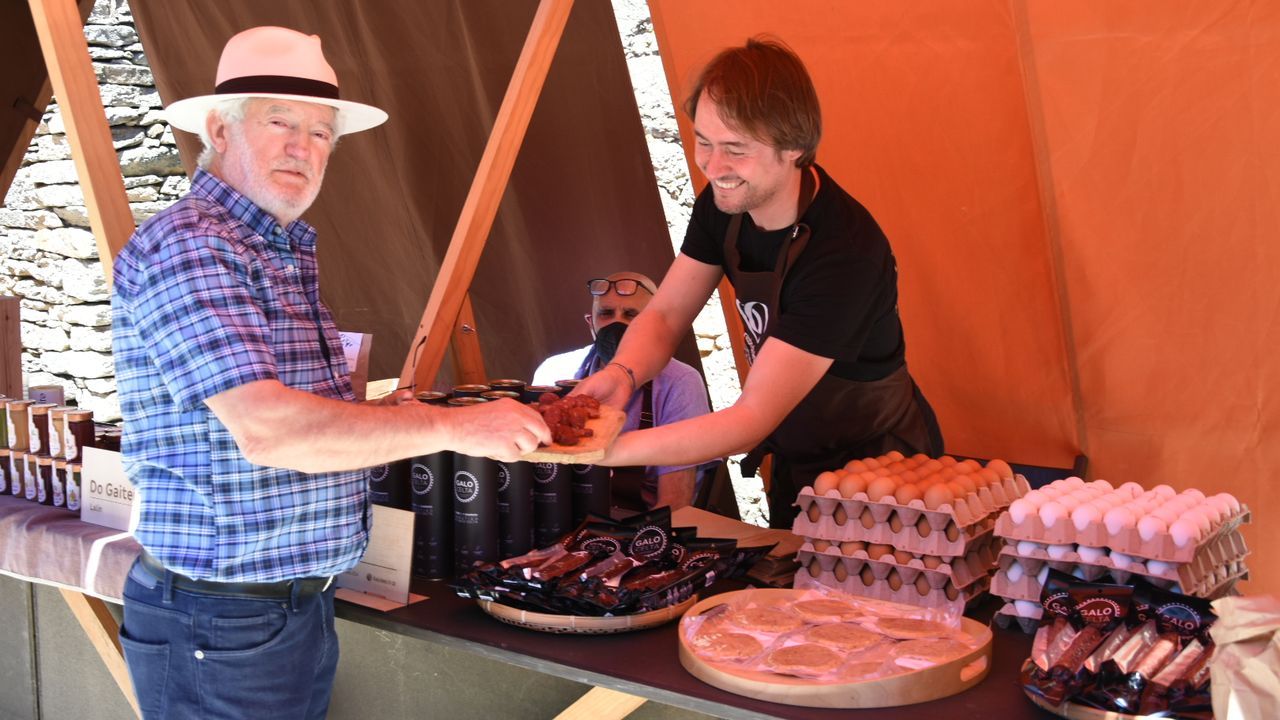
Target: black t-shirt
(840,298)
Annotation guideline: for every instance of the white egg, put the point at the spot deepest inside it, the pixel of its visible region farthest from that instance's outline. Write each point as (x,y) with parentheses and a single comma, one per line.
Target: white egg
(1073,482)
(1233,505)
(1202,518)
(1069,502)
(1164,491)
(1051,513)
(1026,608)
(1043,575)
(1015,571)
(1092,555)
(1085,515)
(1158,567)
(1151,526)
(1184,532)
(1019,510)
(1218,506)
(1120,560)
(1193,493)
(1166,513)
(1027,548)
(1103,485)
(1060,552)
(1132,489)
(1035,499)
(1078,571)
(1118,520)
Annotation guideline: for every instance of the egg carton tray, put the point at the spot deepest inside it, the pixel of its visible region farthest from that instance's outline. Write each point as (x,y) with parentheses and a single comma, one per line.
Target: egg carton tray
(977,506)
(948,599)
(978,561)
(1214,563)
(922,537)
(1128,542)
(1007,617)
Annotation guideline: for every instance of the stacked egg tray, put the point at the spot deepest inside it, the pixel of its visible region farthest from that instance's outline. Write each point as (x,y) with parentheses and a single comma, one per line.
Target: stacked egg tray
(879,572)
(1205,563)
(940,557)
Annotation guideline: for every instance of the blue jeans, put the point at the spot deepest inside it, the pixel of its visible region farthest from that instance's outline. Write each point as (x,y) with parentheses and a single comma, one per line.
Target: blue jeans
(196,655)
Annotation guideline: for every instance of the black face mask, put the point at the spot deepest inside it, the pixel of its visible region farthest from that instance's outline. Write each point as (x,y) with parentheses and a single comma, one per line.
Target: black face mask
(607,340)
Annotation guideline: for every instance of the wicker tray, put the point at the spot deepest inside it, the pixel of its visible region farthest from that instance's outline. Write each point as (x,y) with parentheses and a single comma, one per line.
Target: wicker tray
(584,624)
(905,688)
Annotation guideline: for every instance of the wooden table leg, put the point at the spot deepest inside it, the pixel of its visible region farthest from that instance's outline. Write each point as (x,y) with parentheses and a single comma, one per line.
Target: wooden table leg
(602,704)
(103,631)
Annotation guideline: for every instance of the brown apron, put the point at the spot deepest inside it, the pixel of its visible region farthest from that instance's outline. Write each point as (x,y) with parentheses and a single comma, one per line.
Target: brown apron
(839,419)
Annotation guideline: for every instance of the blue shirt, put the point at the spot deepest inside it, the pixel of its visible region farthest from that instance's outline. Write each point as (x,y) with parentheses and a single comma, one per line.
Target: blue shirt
(211,294)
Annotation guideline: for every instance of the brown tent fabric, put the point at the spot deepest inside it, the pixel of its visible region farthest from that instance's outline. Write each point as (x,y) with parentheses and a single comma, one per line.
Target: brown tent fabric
(582,200)
(1082,198)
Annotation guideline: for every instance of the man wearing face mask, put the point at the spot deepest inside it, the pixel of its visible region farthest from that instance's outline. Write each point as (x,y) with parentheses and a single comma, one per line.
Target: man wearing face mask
(676,393)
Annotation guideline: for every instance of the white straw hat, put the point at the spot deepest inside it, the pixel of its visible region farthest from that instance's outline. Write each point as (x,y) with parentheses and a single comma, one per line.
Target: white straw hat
(274,62)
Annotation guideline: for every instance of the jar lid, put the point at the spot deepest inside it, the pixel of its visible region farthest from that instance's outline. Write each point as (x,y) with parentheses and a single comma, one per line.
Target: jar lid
(44,460)
(42,408)
(58,411)
(60,464)
(78,415)
(19,404)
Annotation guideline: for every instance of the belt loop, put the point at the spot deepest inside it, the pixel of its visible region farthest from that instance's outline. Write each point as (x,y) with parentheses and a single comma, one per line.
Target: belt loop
(295,592)
(167,581)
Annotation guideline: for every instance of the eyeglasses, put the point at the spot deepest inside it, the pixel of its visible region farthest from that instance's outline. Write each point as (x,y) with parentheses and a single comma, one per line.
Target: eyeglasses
(624,287)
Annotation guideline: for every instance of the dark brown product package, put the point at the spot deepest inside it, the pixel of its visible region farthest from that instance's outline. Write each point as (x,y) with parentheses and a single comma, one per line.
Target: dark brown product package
(1155,696)
(1186,615)
(1107,649)
(561,565)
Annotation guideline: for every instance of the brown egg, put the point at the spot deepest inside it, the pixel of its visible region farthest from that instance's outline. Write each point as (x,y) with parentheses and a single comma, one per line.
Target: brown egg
(931,561)
(909,476)
(953,532)
(882,472)
(868,577)
(988,477)
(814,513)
(1001,468)
(968,466)
(894,580)
(952,591)
(877,550)
(841,516)
(821,545)
(947,460)
(932,465)
(871,463)
(957,490)
(937,496)
(895,523)
(896,467)
(840,571)
(869,476)
(906,493)
(849,547)
(919,458)
(902,556)
(868,521)
(814,568)
(947,473)
(894,455)
(824,482)
(876,491)
(922,584)
(851,484)
(855,466)
(968,482)
(923,527)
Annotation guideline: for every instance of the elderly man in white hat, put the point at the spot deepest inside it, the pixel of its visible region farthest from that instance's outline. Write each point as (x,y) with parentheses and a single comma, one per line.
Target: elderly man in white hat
(241,431)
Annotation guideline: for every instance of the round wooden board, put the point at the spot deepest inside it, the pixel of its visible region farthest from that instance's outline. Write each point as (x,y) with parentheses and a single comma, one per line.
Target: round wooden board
(605,430)
(1072,711)
(584,624)
(910,687)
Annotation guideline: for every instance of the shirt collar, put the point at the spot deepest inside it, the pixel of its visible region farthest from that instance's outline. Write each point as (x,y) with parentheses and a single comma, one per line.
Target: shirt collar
(258,221)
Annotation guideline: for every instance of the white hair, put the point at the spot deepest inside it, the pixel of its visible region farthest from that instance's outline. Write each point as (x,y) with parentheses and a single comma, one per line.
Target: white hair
(231,112)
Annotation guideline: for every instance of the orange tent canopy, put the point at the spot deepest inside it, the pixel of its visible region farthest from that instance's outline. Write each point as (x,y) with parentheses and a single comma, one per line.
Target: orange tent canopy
(1084,200)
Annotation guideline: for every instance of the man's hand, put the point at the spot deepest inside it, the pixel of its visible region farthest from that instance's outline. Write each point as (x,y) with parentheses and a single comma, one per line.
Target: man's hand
(502,430)
(611,386)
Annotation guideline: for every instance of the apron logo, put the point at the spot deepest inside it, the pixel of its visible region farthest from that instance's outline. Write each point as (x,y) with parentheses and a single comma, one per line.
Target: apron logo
(755,320)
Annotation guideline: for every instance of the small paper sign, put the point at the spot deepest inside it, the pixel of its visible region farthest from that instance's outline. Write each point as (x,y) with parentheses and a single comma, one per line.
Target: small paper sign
(108,498)
(384,570)
(356,347)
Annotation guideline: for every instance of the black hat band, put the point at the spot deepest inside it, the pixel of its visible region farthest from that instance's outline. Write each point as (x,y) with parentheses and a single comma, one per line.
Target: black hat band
(277,85)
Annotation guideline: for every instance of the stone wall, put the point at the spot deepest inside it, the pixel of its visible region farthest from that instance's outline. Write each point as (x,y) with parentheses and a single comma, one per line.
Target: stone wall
(48,256)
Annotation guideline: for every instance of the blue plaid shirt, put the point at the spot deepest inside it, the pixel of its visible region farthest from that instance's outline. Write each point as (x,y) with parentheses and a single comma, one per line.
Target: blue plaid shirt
(209,295)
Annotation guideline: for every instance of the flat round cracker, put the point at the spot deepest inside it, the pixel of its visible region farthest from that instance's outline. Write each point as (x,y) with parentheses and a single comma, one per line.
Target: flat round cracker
(863,670)
(911,628)
(846,637)
(805,660)
(765,619)
(725,646)
(934,650)
(822,610)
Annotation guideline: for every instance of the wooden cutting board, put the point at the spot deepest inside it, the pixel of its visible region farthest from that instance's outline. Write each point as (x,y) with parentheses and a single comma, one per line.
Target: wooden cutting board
(588,450)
